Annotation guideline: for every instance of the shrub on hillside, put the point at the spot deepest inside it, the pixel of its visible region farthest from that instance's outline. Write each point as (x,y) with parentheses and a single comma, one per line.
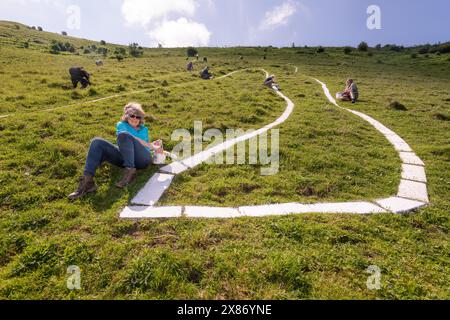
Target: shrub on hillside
(64,33)
(40,29)
(397,106)
(103,42)
(441,48)
(135,50)
(363,46)
(120,51)
(58,46)
(347,50)
(102,51)
(441,116)
(320,50)
(393,47)
(424,50)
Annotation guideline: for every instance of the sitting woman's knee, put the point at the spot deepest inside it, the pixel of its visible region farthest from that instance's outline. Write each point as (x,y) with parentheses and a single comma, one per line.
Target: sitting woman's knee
(124,136)
(96,141)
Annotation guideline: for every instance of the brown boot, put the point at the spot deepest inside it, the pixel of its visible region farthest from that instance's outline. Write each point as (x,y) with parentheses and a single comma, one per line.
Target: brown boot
(86,185)
(128,177)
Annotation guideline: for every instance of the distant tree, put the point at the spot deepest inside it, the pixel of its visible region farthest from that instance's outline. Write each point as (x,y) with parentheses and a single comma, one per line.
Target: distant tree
(320,50)
(395,48)
(69,47)
(103,42)
(378,47)
(120,51)
(160,46)
(40,29)
(347,50)
(119,57)
(58,46)
(293,44)
(191,52)
(440,48)
(64,33)
(135,50)
(424,50)
(102,51)
(363,46)
(33,28)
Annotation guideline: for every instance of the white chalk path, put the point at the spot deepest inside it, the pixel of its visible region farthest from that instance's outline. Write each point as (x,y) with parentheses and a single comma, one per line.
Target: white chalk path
(411,195)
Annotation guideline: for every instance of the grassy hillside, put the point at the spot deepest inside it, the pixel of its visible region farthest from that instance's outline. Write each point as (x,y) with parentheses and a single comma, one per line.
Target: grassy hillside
(323,158)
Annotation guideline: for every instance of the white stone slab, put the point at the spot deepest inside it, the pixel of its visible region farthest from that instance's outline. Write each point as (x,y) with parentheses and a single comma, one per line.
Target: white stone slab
(411,158)
(211,212)
(136,212)
(294,208)
(413,172)
(399,205)
(174,168)
(395,139)
(399,146)
(153,189)
(273,209)
(345,207)
(413,190)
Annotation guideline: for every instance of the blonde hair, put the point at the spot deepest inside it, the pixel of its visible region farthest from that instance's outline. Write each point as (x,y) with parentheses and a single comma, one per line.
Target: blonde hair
(133,108)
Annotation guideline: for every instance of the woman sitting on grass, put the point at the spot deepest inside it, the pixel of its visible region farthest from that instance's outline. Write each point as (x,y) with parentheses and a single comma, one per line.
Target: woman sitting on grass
(133,151)
(350,93)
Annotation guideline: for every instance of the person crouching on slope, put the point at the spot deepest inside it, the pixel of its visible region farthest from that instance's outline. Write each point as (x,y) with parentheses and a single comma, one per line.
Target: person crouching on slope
(133,151)
(78,74)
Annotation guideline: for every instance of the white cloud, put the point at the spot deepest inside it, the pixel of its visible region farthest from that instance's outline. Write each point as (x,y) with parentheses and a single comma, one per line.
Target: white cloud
(180,33)
(146,11)
(279,15)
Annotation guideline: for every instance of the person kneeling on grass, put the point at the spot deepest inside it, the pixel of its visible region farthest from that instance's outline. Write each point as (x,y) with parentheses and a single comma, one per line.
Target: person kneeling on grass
(133,151)
(350,93)
(78,74)
(190,66)
(270,82)
(204,74)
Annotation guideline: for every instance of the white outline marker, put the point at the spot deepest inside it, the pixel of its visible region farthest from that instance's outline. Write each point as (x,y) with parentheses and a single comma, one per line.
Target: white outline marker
(412,193)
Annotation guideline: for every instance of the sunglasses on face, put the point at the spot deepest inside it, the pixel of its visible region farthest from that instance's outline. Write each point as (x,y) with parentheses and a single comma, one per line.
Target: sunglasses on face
(133,116)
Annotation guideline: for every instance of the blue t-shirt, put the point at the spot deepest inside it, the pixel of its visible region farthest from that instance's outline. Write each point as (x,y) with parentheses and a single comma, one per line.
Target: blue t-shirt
(141,133)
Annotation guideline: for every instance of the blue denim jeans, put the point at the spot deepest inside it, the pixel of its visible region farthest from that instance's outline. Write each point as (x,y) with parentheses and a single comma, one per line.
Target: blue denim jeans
(128,153)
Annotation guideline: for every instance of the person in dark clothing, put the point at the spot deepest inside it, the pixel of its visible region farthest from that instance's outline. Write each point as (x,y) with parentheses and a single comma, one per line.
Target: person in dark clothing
(78,74)
(190,66)
(350,92)
(205,59)
(270,82)
(205,74)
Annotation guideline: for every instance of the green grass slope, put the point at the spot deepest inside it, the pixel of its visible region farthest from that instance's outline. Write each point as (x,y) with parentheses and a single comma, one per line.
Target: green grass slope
(323,158)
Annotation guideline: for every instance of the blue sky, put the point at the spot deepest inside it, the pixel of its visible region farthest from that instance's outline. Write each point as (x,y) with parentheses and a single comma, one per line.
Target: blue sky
(237,22)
